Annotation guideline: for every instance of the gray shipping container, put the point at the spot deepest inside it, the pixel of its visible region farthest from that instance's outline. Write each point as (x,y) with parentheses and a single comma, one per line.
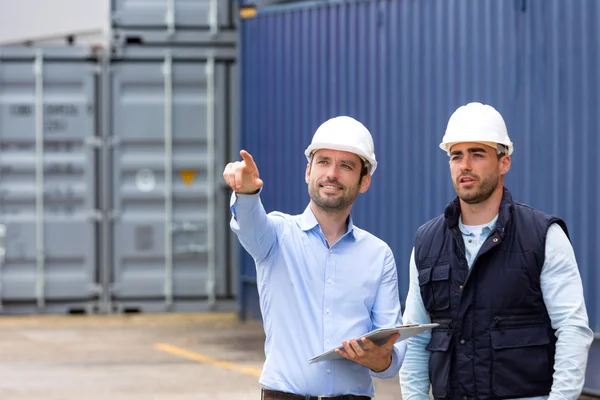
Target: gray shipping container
(211,14)
(170,136)
(48,185)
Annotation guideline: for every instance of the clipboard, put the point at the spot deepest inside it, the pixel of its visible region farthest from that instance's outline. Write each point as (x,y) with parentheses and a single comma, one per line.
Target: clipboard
(379,337)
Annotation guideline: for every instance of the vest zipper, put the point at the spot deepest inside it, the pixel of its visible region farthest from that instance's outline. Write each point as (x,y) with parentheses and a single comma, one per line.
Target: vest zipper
(516,320)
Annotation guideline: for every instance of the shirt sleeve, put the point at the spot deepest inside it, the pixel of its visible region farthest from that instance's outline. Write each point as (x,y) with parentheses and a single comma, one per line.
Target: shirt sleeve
(256,231)
(387,312)
(563,295)
(414,374)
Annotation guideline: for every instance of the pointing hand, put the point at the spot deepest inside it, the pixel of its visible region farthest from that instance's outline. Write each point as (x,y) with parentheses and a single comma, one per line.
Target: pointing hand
(242,176)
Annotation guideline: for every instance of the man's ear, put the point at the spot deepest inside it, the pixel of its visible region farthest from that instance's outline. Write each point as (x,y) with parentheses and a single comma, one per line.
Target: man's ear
(307,173)
(504,164)
(365,183)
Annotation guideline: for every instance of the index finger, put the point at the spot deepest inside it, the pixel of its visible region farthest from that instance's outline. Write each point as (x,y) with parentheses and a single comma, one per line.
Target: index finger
(247,158)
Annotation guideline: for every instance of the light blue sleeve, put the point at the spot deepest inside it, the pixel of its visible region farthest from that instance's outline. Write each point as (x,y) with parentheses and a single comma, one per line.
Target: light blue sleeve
(386,312)
(256,231)
(414,374)
(563,295)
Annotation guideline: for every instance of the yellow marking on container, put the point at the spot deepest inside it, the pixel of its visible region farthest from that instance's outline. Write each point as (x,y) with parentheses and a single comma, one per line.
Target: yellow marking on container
(187,175)
(190,355)
(247,12)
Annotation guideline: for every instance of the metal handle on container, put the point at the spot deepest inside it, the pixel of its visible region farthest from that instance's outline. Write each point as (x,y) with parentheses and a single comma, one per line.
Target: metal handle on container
(106,147)
(210,171)
(170,17)
(168,139)
(39,176)
(2,256)
(213,17)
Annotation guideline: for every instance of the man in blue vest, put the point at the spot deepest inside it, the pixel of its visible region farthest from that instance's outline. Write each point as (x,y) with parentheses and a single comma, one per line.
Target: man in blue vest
(501,280)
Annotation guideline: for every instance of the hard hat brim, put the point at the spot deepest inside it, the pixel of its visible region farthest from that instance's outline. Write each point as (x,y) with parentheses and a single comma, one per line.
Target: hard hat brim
(341,147)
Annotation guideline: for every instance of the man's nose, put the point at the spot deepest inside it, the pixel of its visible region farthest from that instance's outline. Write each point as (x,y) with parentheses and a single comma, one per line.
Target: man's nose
(465,164)
(333,172)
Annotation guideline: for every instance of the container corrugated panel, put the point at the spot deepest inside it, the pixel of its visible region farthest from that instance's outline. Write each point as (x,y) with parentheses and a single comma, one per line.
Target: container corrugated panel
(170,132)
(48,180)
(179,13)
(402,68)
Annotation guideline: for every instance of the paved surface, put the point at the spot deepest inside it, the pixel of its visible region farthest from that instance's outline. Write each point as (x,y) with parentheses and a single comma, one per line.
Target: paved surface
(168,356)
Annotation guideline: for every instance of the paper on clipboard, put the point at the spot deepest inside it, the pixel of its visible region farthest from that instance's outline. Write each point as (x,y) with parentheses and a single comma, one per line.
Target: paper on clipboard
(379,337)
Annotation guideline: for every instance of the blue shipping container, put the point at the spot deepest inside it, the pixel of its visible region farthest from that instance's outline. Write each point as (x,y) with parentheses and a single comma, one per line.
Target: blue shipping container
(402,67)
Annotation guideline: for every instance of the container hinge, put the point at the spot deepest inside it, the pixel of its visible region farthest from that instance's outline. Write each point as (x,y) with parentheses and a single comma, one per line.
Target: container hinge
(187,227)
(93,141)
(114,141)
(94,288)
(192,248)
(94,215)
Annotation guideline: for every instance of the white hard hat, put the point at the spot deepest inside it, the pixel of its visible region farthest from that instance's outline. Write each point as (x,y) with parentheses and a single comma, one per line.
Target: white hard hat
(480,123)
(345,134)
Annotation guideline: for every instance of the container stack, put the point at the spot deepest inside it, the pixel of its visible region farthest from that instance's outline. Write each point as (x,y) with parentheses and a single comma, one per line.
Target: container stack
(113,136)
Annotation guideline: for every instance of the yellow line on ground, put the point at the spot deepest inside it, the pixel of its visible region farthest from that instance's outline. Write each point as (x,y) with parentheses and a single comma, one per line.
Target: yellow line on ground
(190,355)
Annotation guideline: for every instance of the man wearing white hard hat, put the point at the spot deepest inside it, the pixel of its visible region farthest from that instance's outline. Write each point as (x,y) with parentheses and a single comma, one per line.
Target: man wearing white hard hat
(323,282)
(501,280)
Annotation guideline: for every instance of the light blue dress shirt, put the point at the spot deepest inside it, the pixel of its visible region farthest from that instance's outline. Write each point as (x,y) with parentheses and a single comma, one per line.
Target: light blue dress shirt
(563,295)
(313,296)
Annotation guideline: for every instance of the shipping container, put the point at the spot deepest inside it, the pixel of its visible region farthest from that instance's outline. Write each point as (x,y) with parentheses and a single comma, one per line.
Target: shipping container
(79,22)
(154,14)
(49,213)
(93,22)
(402,68)
(171,125)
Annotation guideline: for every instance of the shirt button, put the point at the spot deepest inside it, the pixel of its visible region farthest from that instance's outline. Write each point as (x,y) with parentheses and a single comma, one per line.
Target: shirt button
(327,310)
(326,340)
(328,280)
(328,371)
(461,287)
(464,398)
(462,341)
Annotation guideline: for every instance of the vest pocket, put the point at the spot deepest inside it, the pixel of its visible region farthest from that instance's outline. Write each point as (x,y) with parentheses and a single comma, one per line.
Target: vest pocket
(520,360)
(439,361)
(435,287)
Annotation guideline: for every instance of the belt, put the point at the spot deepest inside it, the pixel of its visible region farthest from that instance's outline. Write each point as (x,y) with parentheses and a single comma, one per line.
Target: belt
(268,394)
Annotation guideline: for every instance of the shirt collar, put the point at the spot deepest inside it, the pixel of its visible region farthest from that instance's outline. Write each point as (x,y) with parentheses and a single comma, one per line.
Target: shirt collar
(485,229)
(308,221)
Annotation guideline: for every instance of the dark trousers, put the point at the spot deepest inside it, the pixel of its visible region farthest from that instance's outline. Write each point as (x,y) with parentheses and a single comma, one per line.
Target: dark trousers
(267,394)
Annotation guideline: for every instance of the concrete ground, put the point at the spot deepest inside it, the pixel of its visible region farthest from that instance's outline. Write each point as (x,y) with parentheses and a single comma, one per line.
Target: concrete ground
(167,356)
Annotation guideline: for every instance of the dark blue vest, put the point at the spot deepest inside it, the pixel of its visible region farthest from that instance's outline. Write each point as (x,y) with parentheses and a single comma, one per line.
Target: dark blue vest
(495,339)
